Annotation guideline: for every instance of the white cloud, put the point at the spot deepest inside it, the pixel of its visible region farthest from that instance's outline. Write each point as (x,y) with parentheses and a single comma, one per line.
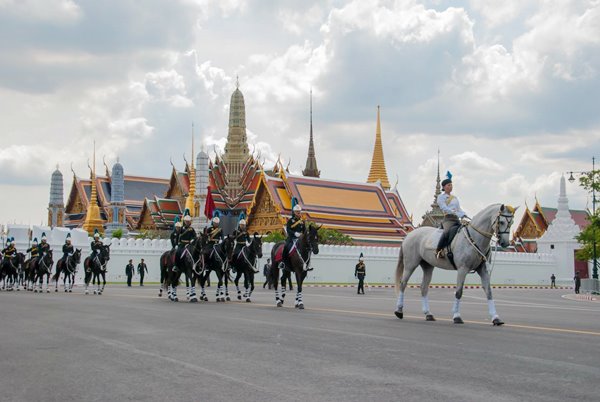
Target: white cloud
(50,11)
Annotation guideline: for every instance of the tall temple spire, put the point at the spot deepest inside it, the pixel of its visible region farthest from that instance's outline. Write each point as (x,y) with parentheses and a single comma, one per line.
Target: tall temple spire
(56,206)
(189,201)
(378,172)
(236,149)
(92,217)
(435,216)
(311,169)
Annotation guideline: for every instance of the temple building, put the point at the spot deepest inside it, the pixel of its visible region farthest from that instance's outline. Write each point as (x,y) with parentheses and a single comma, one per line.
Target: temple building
(56,206)
(233,185)
(434,216)
(535,222)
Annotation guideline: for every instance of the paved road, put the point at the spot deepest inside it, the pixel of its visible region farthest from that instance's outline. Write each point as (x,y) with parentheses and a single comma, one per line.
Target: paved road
(130,345)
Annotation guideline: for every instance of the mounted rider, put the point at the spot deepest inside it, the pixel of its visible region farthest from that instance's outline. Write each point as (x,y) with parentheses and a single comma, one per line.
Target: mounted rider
(96,245)
(241,238)
(33,249)
(43,247)
(10,251)
(67,249)
(184,238)
(453,213)
(295,227)
(176,232)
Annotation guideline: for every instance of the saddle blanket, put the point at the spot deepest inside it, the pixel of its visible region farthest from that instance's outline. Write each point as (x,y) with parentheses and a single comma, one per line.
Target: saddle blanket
(279,252)
(433,239)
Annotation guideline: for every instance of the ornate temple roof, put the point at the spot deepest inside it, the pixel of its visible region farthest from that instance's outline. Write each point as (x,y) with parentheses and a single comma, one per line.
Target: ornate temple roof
(363,211)
(378,173)
(311,168)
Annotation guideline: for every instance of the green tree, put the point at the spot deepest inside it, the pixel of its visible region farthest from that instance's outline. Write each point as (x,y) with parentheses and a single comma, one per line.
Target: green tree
(117,234)
(590,236)
(273,237)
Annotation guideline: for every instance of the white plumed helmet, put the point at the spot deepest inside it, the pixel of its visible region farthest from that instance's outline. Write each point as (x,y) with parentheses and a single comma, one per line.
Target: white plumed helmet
(216,220)
(297,208)
(187,218)
(242,222)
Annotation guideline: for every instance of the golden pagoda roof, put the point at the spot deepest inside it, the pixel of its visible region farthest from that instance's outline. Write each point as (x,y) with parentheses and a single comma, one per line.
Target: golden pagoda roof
(378,172)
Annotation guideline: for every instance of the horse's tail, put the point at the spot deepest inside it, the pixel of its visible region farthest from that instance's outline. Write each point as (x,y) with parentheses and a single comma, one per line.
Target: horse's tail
(57,273)
(399,269)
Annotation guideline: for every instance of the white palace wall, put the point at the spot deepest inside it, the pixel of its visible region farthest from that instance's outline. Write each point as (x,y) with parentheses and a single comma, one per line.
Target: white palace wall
(333,264)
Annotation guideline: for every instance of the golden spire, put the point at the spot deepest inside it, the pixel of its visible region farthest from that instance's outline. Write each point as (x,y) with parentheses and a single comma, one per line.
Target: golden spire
(378,172)
(189,202)
(92,217)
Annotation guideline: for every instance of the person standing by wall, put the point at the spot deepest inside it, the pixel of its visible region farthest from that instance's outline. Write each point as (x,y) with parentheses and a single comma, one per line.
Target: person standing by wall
(360,273)
(142,270)
(129,272)
(577,280)
(552,281)
(267,273)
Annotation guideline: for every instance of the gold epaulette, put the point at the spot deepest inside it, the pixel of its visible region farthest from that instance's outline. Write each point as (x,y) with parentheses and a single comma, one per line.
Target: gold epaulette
(297,223)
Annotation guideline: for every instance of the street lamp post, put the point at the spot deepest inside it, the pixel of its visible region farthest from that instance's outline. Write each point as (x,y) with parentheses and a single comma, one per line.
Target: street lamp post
(571,180)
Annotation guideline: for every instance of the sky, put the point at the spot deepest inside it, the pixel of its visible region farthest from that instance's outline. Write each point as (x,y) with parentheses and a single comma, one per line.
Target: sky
(507,90)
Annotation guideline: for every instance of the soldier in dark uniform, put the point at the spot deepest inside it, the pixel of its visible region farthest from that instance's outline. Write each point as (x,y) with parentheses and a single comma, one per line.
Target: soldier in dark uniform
(96,245)
(129,272)
(43,247)
(10,251)
(67,248)
(295,227)
(214,235)
(142,270)
(33,249)
(360,272)
(241,238)
(175,233)
(185,237)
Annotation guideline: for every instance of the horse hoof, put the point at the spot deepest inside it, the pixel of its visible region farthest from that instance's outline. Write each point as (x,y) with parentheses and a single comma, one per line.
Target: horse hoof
(399,314)
(429,317)
(248,300)
(218,300)
(300,306)
(175,299)
(279,304)
(228,298)
(458,320)
(497,322)
(56,290)
(239,297)
(70,290)
(193,300)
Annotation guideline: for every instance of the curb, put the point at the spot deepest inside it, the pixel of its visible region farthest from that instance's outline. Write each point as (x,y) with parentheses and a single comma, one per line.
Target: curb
(442,287)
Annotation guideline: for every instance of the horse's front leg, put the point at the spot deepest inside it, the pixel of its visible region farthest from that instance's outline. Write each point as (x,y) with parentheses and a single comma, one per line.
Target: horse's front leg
(226,284)
(103,281)
(487,289)
(192,280)
(284,278)
(220,292)
(299,298)
(460,284)
(238,274)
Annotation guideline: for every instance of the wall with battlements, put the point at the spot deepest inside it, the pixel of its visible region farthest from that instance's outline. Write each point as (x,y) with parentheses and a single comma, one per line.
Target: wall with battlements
(333,264)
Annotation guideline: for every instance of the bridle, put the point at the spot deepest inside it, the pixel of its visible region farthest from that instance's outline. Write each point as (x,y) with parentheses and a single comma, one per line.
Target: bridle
(488,235)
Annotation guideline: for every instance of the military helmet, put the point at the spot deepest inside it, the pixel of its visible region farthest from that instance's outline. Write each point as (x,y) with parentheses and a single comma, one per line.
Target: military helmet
(242,222)
(297,208)
(216,220)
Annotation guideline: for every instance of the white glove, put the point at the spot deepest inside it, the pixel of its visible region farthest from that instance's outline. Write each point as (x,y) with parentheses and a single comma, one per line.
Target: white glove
(247,244)
(70,254)
(297,234)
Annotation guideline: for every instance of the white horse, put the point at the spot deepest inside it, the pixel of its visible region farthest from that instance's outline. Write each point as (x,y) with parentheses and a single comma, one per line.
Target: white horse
(470,248)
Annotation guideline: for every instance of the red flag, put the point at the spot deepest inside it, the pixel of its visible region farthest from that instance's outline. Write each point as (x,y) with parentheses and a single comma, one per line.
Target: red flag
(210,205)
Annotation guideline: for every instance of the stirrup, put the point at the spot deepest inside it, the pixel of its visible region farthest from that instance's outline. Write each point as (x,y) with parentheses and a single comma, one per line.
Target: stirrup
(281,265)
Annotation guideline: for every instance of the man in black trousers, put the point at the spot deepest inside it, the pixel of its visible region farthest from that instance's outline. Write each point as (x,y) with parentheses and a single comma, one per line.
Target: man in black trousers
(142,270)
(267,273)
(129,272)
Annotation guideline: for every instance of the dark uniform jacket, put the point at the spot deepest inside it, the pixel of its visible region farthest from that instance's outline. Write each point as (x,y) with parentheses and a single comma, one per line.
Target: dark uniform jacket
(10,251)
(142,268)
(67,249)
(43,248)
(241,237)
(294,225)
(215,235)
(96,245)
(129,269)
(33,250)
(186,236)
(360,269)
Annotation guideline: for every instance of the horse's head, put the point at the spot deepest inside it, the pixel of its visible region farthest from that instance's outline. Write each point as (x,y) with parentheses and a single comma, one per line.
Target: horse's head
(48,257)
(105,253)
(257,245)
(77,255)
(502,223)
(312,233)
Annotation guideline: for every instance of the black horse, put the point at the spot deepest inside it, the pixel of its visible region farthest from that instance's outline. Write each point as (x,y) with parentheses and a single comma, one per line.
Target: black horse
(244,262)
(299,258)
(95,266)
(68,267)
(10,269)
(217,261)
(41,267)
(166,266)
(190,264)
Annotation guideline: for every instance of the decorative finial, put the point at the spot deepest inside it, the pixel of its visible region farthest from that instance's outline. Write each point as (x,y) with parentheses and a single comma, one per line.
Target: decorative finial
(237,81)
(57,166)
